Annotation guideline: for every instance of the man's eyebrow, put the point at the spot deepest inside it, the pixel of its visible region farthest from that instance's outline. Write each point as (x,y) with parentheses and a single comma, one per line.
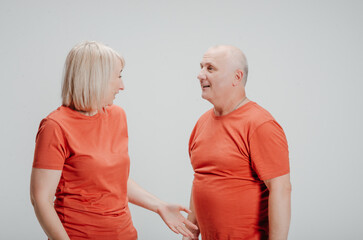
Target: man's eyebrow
(205,63)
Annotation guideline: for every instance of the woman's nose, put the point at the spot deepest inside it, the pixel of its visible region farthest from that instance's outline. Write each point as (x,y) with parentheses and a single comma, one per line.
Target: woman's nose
(122,86)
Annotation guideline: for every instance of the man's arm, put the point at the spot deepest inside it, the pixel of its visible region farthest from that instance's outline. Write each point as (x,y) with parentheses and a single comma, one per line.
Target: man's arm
(279,206)
(192,218)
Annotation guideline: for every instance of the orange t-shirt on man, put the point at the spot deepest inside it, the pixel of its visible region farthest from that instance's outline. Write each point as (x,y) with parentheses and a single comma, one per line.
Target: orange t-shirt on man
(231,156)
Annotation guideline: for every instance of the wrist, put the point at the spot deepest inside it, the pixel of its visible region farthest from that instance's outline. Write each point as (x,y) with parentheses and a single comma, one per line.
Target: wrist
(159,206)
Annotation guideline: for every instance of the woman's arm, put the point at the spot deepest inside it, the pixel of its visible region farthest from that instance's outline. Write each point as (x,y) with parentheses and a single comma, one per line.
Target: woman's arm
(170,213)
(43,185)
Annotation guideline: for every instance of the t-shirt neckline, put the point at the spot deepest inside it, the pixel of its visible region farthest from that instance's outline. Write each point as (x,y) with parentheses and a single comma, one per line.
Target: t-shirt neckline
(80,115)
(238,110)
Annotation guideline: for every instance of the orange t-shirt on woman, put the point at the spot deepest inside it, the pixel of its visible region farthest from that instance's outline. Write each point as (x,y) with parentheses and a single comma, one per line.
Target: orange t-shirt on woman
(92,152)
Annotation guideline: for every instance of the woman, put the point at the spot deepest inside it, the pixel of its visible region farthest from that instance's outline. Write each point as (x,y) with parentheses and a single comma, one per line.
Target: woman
(81,157)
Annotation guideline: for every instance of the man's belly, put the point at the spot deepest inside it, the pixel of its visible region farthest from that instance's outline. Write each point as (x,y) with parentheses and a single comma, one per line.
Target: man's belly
(230,205)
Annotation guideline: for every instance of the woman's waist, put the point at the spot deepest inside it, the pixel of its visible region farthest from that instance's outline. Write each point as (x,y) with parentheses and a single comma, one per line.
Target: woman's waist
(95,205)
(94,219)
(90,225)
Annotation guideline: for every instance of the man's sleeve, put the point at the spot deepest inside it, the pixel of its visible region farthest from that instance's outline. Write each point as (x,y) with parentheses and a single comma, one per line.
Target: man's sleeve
(269,151)
(50,152)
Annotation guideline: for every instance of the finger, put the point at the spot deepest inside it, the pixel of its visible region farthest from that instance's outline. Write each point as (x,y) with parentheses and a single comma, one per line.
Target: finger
(190,234)
(185,209)
(185,232)
(174,229)
(190,224)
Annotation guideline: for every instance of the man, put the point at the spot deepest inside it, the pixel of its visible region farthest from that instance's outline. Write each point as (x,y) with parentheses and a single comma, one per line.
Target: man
(239,153)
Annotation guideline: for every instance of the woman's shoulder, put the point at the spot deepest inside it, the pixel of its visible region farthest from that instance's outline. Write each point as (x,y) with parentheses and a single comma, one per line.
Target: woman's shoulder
(56,114)
(115,108)
(115,111)
(49,125)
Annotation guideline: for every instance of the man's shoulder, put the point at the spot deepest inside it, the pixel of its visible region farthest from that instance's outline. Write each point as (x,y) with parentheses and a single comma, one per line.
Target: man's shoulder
(204,116)
(257,112)
(257,115)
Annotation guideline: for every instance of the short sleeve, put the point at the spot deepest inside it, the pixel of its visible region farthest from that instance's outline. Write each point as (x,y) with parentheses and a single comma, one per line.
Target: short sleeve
(50,151)
(269,151)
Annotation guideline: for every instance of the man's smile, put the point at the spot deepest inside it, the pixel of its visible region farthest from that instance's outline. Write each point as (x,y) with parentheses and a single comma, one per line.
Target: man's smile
(205,85)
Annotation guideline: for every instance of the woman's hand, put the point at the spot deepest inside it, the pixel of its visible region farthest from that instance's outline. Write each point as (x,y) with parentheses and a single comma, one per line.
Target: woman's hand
(171,215)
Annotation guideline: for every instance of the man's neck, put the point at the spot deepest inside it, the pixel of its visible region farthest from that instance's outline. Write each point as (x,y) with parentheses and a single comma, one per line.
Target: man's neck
(229,106)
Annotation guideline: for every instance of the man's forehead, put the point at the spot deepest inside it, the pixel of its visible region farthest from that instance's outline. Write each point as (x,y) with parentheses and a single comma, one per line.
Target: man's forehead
(213,56)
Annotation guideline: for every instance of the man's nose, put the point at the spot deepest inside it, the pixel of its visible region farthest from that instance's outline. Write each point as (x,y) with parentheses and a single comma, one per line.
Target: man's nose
(201,75)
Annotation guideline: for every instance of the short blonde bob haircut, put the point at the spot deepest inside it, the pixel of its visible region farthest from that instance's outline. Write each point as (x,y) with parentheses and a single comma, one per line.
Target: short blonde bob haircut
(87,71)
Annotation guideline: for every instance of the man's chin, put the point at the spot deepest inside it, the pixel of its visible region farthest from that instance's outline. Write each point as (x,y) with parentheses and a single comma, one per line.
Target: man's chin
(206,97)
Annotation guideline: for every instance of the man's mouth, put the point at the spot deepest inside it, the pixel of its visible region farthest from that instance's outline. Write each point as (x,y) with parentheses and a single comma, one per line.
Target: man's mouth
(205,86)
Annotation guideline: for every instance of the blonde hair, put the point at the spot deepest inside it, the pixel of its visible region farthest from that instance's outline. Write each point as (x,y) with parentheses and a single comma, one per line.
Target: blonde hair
(87,71)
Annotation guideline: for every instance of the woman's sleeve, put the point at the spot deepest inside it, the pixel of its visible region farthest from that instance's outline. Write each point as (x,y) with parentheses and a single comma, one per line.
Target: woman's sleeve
(50,151)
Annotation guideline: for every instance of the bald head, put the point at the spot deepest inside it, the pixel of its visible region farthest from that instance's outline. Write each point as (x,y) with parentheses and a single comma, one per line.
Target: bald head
(235,57)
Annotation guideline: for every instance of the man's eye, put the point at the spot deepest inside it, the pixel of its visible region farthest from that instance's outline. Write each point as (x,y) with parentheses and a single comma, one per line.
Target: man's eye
(210,68)
(120,76)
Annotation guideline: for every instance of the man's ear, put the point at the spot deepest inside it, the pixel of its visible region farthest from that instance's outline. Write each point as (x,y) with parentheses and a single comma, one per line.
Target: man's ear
(238,77)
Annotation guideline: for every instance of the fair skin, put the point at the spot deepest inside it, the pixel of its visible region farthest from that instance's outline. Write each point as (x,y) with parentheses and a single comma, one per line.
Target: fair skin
(223,85)
(115,84)
(192,218)
(170,213)
(279,206)
(44,183)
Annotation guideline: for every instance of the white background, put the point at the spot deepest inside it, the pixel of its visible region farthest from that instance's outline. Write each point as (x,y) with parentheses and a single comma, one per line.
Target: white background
(305,60)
